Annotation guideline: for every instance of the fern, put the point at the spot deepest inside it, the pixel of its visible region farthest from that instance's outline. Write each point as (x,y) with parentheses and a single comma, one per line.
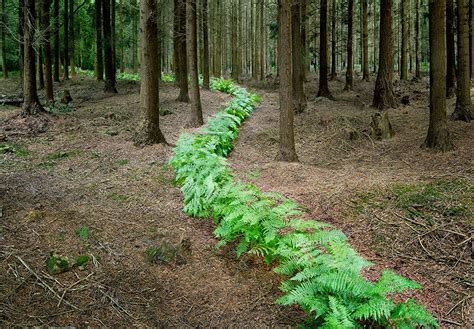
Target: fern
(322,271)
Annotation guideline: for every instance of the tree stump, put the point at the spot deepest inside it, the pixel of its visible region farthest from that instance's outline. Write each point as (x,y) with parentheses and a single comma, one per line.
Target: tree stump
(381,128)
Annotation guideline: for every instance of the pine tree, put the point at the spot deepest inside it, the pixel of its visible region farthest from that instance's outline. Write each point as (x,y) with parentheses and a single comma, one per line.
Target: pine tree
(438,137)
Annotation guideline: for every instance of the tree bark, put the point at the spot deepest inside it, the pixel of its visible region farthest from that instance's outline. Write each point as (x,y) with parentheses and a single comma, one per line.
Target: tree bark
(463,110)
(205,26)
(438,137)
(182,52)
(57,46)
(4,46)
(287,150)
(98,41)
(299,98)
(384,97)
(135,19)
(149,131)
(350,46)
(323,52)
(234,44)
(31,104)
(46,27)
(405,36)
(333,40)
(417,40)
(72,60)
(196,119)
(450,50)
(365,42)
(66,40)
(110,83)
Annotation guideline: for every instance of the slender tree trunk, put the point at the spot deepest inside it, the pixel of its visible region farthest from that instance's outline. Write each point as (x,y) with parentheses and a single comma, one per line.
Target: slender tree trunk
(134,40)
(114,34)
(450,49)
(262,52)
(99,41)
(72,38)
(384,97)
(438,137)
(31,103)
(205,44)
(149,131)
(405,36)
(333,40)
(365,42)
(471,37)
(350,46)
(66,40)
(2,32)
(46,27)
(304,38)
(110,83)
(196,119)
(287,150)
(57,46)
(21,33)
(234,44)
(323,52)
(182,53)
(299,98)
(374,14)
(463,110)
(417,40)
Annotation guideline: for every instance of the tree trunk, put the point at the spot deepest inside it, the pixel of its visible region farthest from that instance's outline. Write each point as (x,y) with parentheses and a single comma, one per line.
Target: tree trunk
(304,38)
(196,119)
(350,46)
(299,98)
(134,39)
(46,27)
(262,51)
(384,97)
(182,53)
(405,36)
(323,52)
(417,40)
(113,31)
(333,40)
(287,150)
(463,109)
(2,32)
(471,37)
(450,49)
(21,33)
(98,41)
(438,137)
(57,46)
(205,26)
(31,104)
(234,44)
(66,40)
(72,37)
(149,131)
(108,52)
(365,42)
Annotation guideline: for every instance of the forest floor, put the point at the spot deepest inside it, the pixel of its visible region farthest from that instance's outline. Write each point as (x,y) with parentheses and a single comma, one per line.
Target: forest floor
(72,183)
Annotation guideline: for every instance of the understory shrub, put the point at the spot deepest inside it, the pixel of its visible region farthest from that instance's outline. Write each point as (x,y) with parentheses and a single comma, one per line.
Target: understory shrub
(323,273)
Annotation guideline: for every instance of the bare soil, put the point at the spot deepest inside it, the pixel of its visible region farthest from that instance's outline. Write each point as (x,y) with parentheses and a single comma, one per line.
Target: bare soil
(81,170)
(345,178)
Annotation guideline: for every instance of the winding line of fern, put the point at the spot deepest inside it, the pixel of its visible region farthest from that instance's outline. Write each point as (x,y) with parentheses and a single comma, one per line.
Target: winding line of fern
(322,271)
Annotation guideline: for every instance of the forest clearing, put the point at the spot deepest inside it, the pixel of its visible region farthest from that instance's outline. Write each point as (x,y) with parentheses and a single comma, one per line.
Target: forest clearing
(236,163)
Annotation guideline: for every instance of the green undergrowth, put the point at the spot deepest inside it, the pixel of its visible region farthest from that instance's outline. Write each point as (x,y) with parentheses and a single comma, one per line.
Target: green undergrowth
(322,272)
(129,76)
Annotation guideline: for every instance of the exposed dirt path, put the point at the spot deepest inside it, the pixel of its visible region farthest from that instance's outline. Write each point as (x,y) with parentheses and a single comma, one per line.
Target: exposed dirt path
(83,171)
(338,162)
